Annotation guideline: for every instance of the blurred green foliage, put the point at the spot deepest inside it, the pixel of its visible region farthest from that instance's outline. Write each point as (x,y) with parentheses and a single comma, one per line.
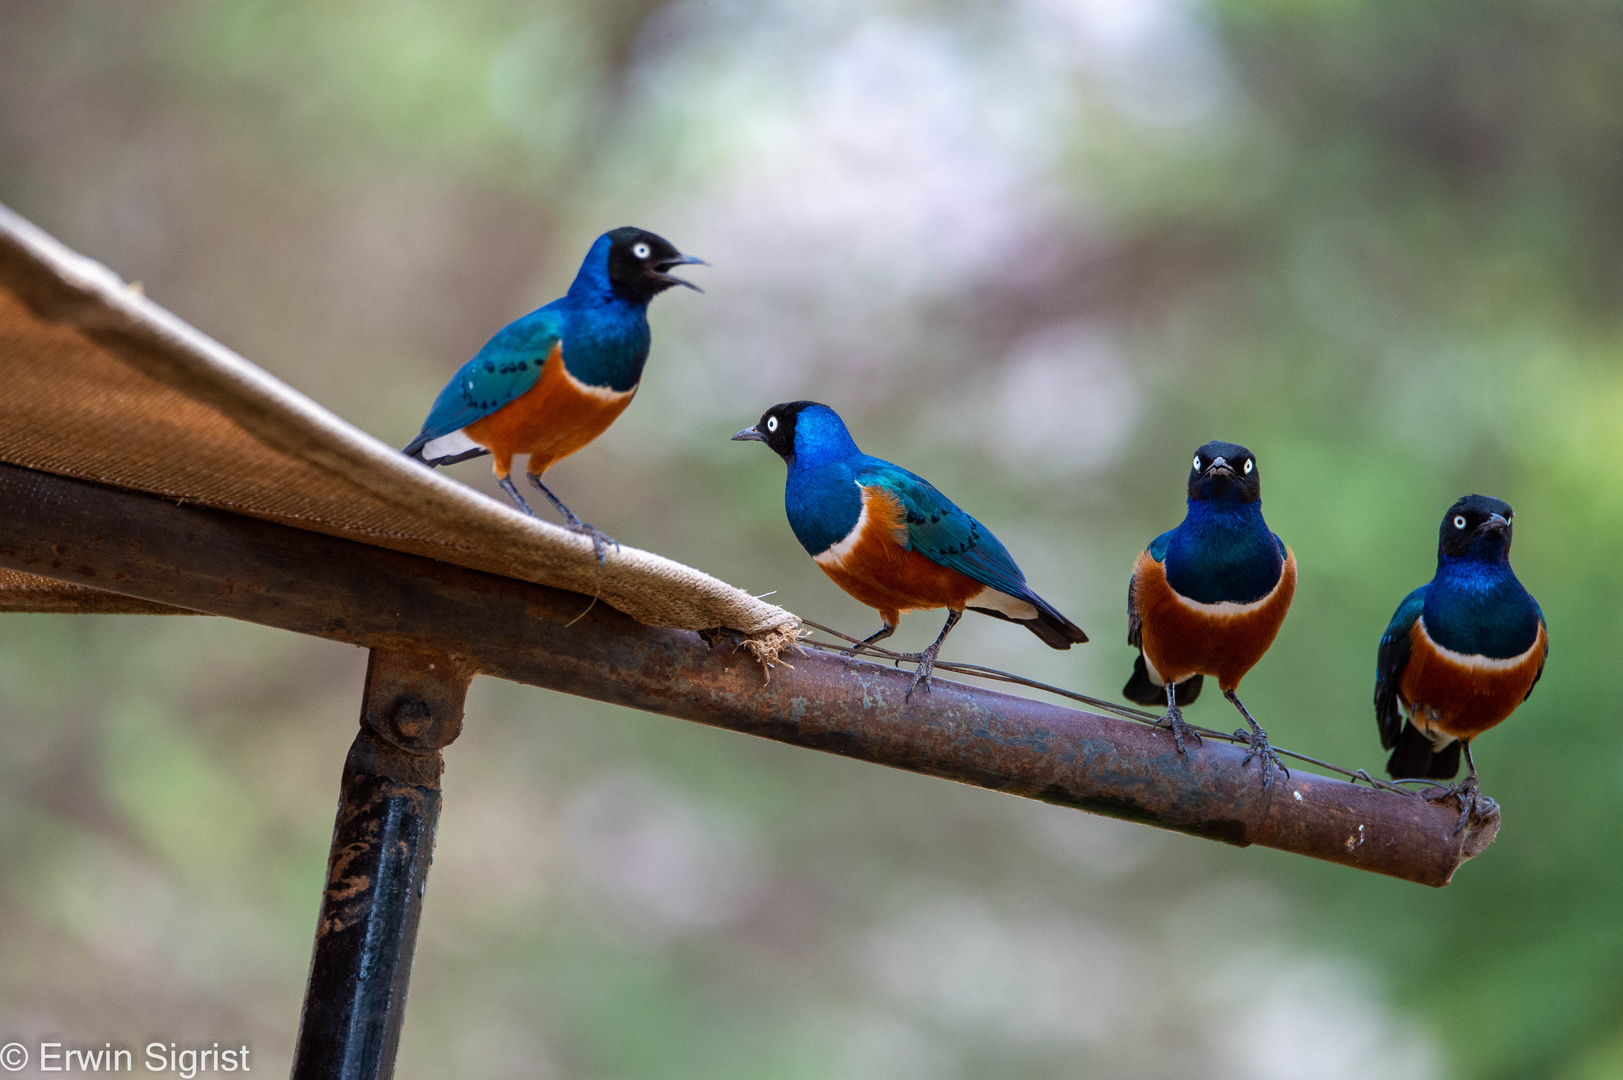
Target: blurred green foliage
(1038,250)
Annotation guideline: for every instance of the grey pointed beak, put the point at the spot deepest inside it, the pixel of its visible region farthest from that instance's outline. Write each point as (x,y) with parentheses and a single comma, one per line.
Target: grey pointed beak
(660,272)
(749,434)
(1219,464)
(1497,521)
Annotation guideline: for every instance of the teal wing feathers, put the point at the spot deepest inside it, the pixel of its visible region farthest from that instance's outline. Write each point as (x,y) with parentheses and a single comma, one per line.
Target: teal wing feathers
(505,369)
(1390,660)
(1135,624)
(1546,655)
(942,532)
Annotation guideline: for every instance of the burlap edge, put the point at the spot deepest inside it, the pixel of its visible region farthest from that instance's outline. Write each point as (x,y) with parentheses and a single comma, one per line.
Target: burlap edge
(63,286)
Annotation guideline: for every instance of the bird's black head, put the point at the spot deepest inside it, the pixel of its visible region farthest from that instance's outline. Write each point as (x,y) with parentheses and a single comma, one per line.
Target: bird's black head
(777,427)
(1224,471)
(639,264)
(1476,527)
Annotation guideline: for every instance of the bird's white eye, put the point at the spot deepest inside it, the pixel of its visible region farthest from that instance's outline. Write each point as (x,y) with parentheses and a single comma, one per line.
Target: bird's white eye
(772,423)
(1459,521)
(1197,462)
(1248,466)
(641,251)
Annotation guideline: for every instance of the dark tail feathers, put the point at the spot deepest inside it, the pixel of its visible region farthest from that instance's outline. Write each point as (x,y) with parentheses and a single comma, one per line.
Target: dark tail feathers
(1415,758)
(1055,630)
(1146,691)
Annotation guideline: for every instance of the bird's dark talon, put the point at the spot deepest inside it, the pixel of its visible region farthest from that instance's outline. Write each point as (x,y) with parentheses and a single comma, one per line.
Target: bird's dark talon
(1257,740)
(1174,720)
(921,675)
(919,682)
(1259,746)
(1473,804)
(600,539)
(926,659)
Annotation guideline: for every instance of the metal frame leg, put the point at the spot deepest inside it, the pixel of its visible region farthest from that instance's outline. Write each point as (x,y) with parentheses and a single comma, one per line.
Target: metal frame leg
(383,842)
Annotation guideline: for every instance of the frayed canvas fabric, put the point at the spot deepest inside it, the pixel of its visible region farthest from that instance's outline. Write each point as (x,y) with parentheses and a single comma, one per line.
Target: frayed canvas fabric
(99,383)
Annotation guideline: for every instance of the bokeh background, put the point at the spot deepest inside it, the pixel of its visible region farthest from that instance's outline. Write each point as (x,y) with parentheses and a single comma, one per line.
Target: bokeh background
(1038,249)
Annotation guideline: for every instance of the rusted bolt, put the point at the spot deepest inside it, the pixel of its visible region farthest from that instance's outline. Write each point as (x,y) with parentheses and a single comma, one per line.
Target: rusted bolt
(412,718)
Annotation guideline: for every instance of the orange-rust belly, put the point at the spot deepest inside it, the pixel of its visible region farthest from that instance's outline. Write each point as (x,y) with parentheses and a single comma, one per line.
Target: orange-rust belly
(1221,640)
(550,421)
(1463,700)
(877,570)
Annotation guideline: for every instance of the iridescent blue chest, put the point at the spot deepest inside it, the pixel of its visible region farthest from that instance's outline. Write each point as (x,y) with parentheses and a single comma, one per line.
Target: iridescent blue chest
(1221,552)
(1480,608)
(823,503)
(605,342)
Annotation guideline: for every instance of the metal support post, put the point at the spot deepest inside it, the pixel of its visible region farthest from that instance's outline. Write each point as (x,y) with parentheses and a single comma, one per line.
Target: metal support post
(382,844)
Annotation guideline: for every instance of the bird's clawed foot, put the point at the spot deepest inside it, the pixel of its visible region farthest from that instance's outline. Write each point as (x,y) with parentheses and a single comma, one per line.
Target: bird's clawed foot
(1180,730)
(1257,740)
(601,541)
(1474,806)
(926,659)
(926,666)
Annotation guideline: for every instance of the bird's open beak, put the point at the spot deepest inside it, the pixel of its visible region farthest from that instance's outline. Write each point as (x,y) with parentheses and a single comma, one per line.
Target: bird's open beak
(659,273)
(1497,522)
(1219,465)
(749,434)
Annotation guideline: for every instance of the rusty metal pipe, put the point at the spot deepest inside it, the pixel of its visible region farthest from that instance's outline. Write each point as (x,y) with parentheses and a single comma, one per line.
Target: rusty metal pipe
(382,844)
(225,564)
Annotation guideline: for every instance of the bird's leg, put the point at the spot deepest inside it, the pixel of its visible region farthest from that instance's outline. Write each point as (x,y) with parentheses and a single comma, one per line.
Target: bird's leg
(1257,740)
(1174,720)
(879,635)
(512,493)
(575,524)
(1473,804)
(926,659)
